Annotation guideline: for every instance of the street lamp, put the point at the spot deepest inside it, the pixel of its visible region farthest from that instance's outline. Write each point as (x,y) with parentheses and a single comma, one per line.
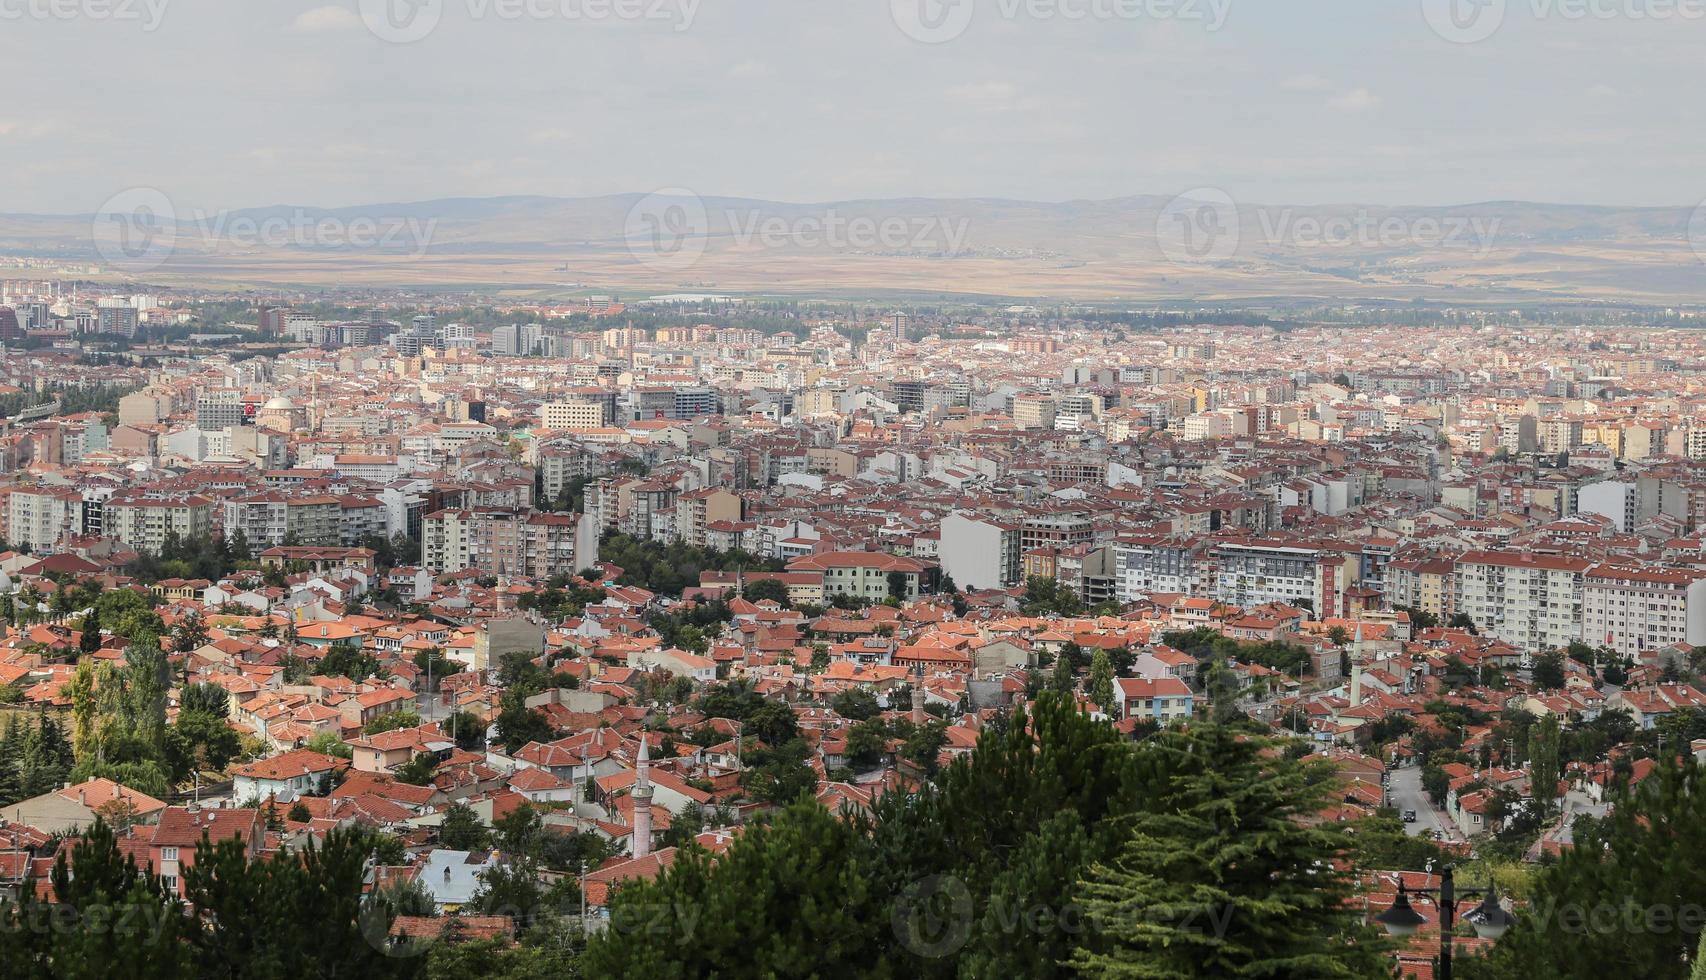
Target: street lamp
(1489,919)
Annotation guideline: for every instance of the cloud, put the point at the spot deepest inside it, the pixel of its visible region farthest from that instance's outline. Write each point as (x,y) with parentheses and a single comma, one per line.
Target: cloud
(983,92)
(326,19)
(751,69)
(1356,100)
(1306,83)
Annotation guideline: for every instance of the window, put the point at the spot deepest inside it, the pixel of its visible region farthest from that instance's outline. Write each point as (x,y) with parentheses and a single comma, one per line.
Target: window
(168,854)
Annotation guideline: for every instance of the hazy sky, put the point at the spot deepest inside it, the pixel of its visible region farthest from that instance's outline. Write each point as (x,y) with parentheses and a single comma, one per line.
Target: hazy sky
(237,103)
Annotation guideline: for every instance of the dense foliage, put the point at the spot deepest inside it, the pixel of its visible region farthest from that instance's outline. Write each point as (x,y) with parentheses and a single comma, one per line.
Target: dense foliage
(667,569)
(994,870)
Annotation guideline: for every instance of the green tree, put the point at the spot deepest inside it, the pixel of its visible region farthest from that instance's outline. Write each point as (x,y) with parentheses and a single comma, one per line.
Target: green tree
(1635,861)
(1063,680)
(462,829)
(855,704)
(517,724)
(1223,877)
(1549,670)
(1101,686)
(1544,771)
(1437,783)
(768,588)
(418,771)
(206,698)
(189,633)
(779,774)
(390,721)
(1046,596)
(867,742)
(467,728)
(786,900)
(90,640)
(775,723)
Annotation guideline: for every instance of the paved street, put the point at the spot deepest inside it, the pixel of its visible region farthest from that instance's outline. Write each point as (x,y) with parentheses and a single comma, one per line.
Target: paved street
(1404,787)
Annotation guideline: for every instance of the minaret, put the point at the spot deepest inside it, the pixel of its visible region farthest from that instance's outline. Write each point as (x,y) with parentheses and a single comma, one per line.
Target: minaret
(918,715)
(500,604)
(1356,666)
(643,802)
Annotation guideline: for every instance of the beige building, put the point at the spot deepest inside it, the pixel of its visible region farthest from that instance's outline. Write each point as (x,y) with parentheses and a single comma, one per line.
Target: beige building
(565,416)
(145,522)
(145,407)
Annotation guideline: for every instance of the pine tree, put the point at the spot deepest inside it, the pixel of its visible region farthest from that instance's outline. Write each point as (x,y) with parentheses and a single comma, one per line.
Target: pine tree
(1101,687)
(11,750)
(1543,761)
(90,641)
(785,902)
(1063,680)
(1642,857)
(1222,878)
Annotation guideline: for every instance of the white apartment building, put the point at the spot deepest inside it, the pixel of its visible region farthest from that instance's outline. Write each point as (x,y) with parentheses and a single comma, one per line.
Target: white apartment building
(1147,564)
(981,552)
(1531,601)
(1634,609)
(39,518)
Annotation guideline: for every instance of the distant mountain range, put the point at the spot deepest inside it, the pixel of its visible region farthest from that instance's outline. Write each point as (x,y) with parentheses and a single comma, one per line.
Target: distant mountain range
(1201,247)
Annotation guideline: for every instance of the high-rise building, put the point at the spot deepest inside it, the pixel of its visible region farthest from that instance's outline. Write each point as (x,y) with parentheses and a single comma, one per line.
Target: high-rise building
(218,409)
(117,320)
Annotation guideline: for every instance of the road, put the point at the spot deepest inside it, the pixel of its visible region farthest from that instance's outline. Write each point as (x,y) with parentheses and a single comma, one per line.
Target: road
(1404,790)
